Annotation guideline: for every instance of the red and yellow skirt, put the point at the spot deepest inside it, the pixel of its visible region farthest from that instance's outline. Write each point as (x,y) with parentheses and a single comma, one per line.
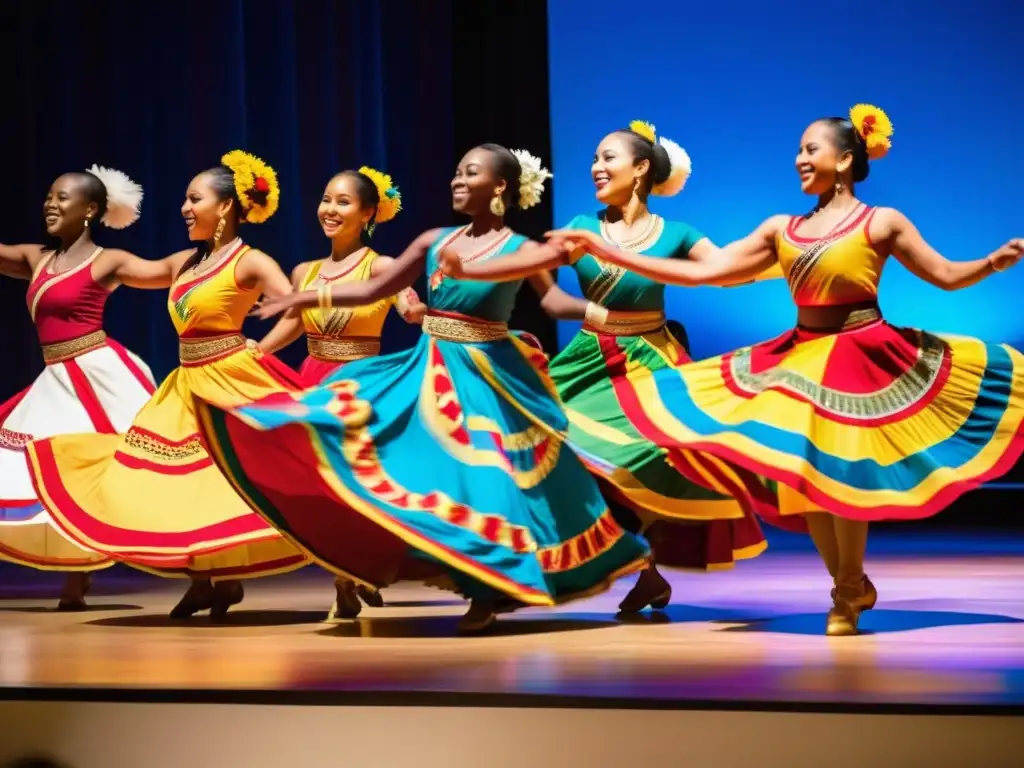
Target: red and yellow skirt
(872,422)
(151,497)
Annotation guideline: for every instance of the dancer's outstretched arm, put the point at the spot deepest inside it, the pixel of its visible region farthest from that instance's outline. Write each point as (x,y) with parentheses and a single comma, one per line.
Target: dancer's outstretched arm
(900,236)
(739,261)
(20,261)
(554,301)
(408,303)
(153,274)
(289,328)
(400,275)
(526,261)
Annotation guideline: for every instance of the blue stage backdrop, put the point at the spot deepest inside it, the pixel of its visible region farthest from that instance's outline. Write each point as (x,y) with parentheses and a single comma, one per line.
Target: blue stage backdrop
(735,83)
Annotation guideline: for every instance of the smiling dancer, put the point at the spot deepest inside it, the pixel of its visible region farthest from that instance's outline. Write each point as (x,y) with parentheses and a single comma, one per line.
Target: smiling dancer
(444,459)
(90,383)
(857,420)
(150,497)
(353,204)
(625,335)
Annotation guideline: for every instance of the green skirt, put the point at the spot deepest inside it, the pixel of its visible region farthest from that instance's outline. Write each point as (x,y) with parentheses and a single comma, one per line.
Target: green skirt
(664,494)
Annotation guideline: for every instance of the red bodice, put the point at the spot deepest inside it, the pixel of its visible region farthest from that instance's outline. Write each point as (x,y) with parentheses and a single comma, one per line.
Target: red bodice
(67,305)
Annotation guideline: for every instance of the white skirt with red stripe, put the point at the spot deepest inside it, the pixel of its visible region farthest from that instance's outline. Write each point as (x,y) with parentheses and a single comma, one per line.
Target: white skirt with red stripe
(98,391)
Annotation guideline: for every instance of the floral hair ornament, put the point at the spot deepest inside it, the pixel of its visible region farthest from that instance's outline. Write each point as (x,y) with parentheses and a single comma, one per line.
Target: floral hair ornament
(124,197)
(875,127)
(532,176)
(390,198)
(255,184)
(680,166)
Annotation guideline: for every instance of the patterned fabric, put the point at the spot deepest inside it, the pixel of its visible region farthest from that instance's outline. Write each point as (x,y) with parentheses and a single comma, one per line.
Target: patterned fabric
(594,375)
(150,496)
(869,422)
(446,459)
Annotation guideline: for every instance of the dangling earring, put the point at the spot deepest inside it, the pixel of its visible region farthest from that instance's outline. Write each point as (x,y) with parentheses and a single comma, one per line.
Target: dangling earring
(86,222)
(218,233)
(839,185)
(497,205)
(369,227)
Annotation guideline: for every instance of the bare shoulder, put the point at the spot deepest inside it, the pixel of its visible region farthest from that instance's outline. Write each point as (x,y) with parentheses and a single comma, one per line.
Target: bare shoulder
(774,225)
(300,271)
(380,265)
(255,261)
(34,254)
(886,222)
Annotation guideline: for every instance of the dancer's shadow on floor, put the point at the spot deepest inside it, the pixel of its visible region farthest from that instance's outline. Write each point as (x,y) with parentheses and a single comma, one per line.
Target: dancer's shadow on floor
(875,622)
(240,618)
(448,626)
(91,608)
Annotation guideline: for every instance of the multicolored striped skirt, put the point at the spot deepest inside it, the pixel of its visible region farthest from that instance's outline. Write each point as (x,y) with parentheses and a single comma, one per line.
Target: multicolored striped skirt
(663,492)
(871,422)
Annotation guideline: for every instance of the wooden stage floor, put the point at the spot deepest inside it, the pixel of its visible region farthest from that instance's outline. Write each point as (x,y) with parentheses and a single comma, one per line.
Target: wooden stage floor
(948,630)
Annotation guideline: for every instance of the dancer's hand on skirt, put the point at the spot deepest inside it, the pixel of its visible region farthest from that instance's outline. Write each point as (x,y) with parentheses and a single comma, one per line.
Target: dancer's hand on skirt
(1008,255)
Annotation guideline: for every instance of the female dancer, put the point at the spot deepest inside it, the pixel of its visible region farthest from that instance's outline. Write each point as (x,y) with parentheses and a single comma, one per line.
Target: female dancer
(150,497)
(447,456)
(856,420)
(625,333)
(353,204)
(90,383)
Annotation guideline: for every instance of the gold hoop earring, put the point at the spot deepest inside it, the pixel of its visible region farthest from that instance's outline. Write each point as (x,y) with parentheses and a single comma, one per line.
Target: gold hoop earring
(497,206)
(218,233)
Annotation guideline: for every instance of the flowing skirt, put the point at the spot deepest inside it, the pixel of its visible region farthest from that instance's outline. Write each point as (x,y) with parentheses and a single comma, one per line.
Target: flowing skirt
(151,497)
(688,525)
(445,459)
(870,423)
(99,391)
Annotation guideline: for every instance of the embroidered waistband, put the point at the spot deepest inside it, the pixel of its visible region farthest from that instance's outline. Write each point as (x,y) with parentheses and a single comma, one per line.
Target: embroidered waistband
(199,351)
(601,320)
(466,330)
(65,350)
(838,317)
(341,350)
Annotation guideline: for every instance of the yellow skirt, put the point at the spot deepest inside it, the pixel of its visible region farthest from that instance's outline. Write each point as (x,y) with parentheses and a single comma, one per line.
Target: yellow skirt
(151,497)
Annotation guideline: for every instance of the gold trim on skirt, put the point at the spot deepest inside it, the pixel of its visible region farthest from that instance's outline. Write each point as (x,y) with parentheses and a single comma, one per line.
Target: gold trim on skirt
(340,350)
(199,351)
(468,330)
(623,323)
(65,350)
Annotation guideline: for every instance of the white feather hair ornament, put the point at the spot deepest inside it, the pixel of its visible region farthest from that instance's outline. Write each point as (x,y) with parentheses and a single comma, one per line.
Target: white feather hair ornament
(531,178)
(680,167)
(124,197)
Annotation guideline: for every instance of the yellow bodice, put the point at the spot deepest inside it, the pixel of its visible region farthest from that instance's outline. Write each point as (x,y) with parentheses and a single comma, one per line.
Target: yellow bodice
(212,303)
(842,267)
(341,322)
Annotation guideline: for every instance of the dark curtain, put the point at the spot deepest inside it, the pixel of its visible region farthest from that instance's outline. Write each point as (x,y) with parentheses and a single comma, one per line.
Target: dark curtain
(162,90)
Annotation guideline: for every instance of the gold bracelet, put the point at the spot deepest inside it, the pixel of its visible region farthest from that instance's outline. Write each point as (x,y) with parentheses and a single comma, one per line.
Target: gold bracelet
(595,314)
(324,300)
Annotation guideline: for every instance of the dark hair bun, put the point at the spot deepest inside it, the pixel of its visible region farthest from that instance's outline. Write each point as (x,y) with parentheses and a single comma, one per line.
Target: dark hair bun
(661,166)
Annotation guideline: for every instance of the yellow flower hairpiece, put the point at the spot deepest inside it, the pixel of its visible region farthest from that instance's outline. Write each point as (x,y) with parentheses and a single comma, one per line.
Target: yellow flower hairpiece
(256,185)
(643,128)
(390,198)
(875,127)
